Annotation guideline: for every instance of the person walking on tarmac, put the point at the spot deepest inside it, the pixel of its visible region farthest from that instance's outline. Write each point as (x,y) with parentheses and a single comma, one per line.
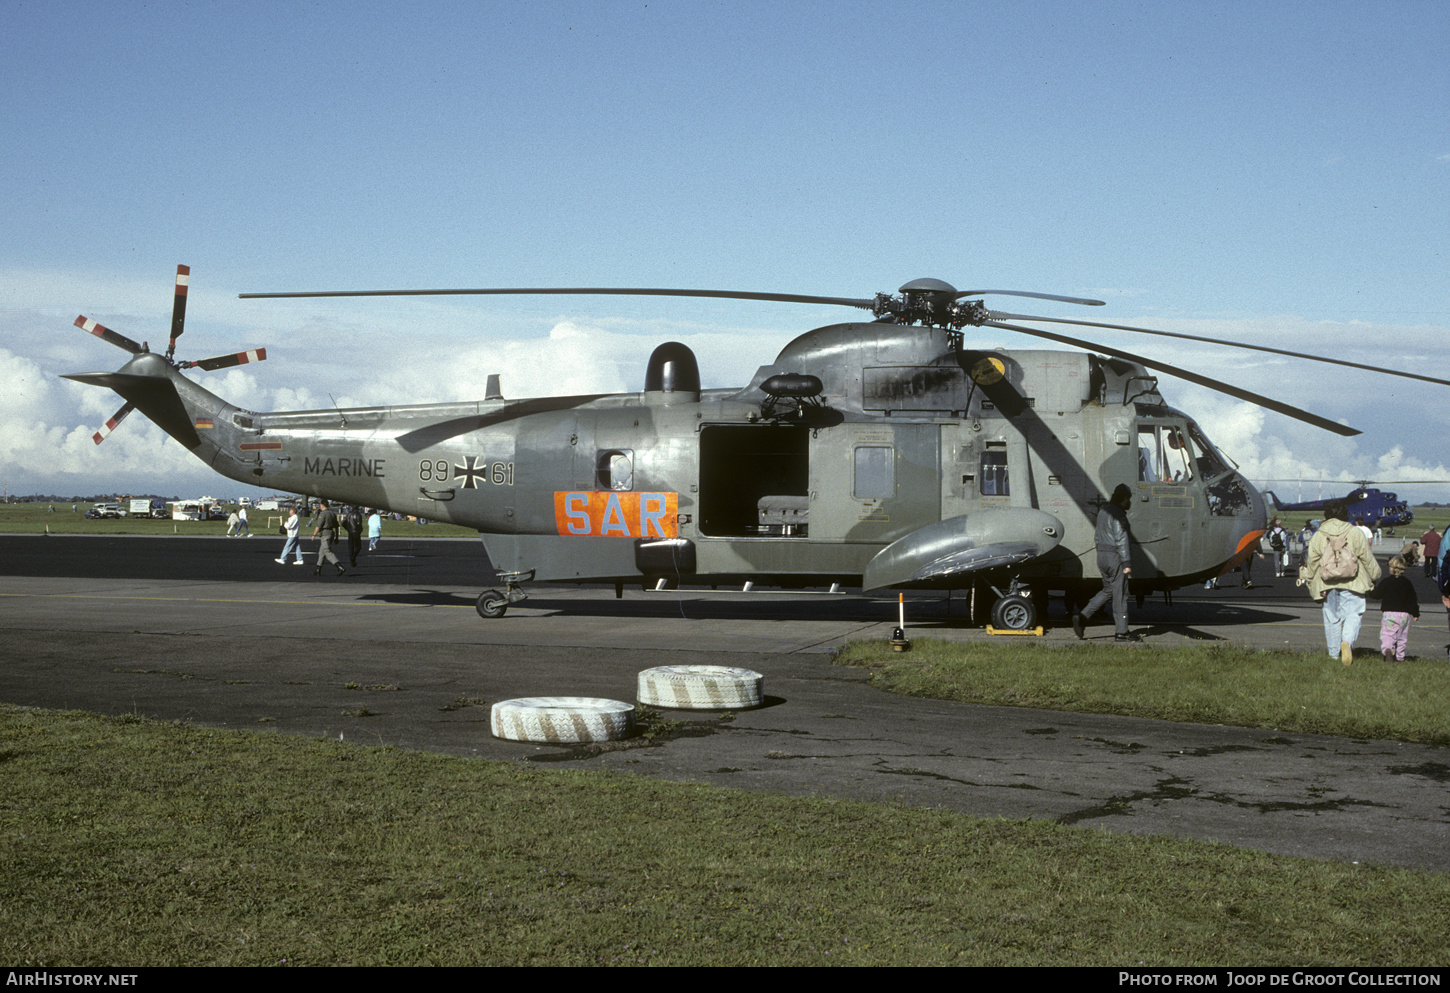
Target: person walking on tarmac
(326,530)
(1430,544)
(1340,570)
(352,523)
(1279,543)
(1111,539)
(292,528)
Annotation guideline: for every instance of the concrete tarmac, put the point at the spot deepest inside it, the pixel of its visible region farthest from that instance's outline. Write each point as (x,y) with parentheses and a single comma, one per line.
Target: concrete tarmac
(213,631)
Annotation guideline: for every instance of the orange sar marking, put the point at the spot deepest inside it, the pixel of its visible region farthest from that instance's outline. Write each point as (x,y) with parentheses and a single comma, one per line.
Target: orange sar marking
(586,514)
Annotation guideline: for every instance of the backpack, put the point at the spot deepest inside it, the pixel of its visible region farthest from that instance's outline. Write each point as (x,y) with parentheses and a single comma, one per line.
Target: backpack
(1276,539)
(1338,563)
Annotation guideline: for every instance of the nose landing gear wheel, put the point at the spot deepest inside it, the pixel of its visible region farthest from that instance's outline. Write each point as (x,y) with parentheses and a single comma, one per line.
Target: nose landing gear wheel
(492,603)
(1014,613)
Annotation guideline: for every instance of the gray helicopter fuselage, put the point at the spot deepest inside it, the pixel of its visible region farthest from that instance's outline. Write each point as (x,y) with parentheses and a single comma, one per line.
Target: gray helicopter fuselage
(958,460)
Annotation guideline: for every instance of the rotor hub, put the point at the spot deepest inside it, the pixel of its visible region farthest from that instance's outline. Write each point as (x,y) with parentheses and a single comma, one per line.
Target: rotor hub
(931,302)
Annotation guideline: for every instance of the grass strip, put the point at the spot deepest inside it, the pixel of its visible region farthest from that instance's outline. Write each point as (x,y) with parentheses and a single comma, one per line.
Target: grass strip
(130,842)
(1208,684)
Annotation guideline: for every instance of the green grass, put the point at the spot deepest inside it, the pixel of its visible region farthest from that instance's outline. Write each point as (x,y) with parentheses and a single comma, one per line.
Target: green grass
(130,842)
(1214,684)
(34,518)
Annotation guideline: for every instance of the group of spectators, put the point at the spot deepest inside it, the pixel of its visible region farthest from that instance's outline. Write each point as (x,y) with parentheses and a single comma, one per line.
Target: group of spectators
(1337,564)
(325,529)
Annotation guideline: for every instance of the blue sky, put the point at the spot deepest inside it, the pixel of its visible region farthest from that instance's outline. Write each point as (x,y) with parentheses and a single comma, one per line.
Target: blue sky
(1272,172)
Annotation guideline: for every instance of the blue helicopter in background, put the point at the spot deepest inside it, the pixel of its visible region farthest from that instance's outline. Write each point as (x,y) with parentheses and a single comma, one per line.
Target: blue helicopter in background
(1375,507)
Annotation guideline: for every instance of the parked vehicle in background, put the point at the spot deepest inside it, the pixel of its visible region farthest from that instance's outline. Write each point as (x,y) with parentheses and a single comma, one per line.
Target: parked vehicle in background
(188,510)
(155,507)
(106,510)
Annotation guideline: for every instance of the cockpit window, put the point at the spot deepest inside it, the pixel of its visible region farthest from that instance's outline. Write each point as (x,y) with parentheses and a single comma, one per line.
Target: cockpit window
(1210,463)
(1164,454)
(1228,494)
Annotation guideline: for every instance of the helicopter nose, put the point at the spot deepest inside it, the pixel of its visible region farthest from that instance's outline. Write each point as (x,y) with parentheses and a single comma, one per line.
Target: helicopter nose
(1259,507)
(1250,525)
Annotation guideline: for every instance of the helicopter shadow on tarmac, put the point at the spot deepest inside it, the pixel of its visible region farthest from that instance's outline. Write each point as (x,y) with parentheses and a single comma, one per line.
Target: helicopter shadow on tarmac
(924,614)
(692,605)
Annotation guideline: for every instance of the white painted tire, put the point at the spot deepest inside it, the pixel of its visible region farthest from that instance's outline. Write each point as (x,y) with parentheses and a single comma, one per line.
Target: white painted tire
(562,719)
(701,687)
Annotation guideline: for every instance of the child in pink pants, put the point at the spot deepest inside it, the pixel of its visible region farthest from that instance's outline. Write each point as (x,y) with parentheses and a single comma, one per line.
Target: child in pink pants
(1398,604)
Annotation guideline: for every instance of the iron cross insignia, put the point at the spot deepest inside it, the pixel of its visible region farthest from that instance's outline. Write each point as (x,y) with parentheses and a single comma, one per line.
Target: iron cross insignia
(471,473)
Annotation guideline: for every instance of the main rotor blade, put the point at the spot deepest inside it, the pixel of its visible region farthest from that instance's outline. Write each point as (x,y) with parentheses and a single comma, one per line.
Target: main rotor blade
(227,361)
(113,423)
(576,291)
(1037,296)
(995,315)
(106,334)
(178,309)
(1192,377)
(1362,483)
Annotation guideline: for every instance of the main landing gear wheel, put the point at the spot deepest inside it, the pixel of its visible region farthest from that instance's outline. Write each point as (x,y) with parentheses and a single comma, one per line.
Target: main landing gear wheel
(492,603)
(1014,613)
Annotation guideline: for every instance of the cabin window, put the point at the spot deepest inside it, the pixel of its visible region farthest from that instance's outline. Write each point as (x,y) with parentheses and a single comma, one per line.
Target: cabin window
(875,472)
(994,473)
(614,469)
(1164,454)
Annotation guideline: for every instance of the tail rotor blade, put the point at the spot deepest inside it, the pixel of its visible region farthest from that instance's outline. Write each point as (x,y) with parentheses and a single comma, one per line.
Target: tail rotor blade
(106,334)
(113,423)
(227,361)
(178,309)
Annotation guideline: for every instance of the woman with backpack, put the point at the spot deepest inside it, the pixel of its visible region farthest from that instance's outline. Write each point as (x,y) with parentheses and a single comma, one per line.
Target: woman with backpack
(1279,542)
(1340,570)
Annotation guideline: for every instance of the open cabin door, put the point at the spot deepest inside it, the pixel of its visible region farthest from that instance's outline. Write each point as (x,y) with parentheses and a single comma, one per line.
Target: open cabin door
(792,500)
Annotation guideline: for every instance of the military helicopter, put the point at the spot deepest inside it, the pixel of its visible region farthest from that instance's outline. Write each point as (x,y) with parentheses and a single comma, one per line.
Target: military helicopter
(889,453)
(1376,507)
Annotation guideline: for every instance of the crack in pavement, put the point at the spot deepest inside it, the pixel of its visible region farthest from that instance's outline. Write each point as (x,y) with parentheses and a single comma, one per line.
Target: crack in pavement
(1170,789)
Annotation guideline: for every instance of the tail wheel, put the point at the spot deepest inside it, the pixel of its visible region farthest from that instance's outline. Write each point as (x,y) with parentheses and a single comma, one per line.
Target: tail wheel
(1014,613)
(492,603)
